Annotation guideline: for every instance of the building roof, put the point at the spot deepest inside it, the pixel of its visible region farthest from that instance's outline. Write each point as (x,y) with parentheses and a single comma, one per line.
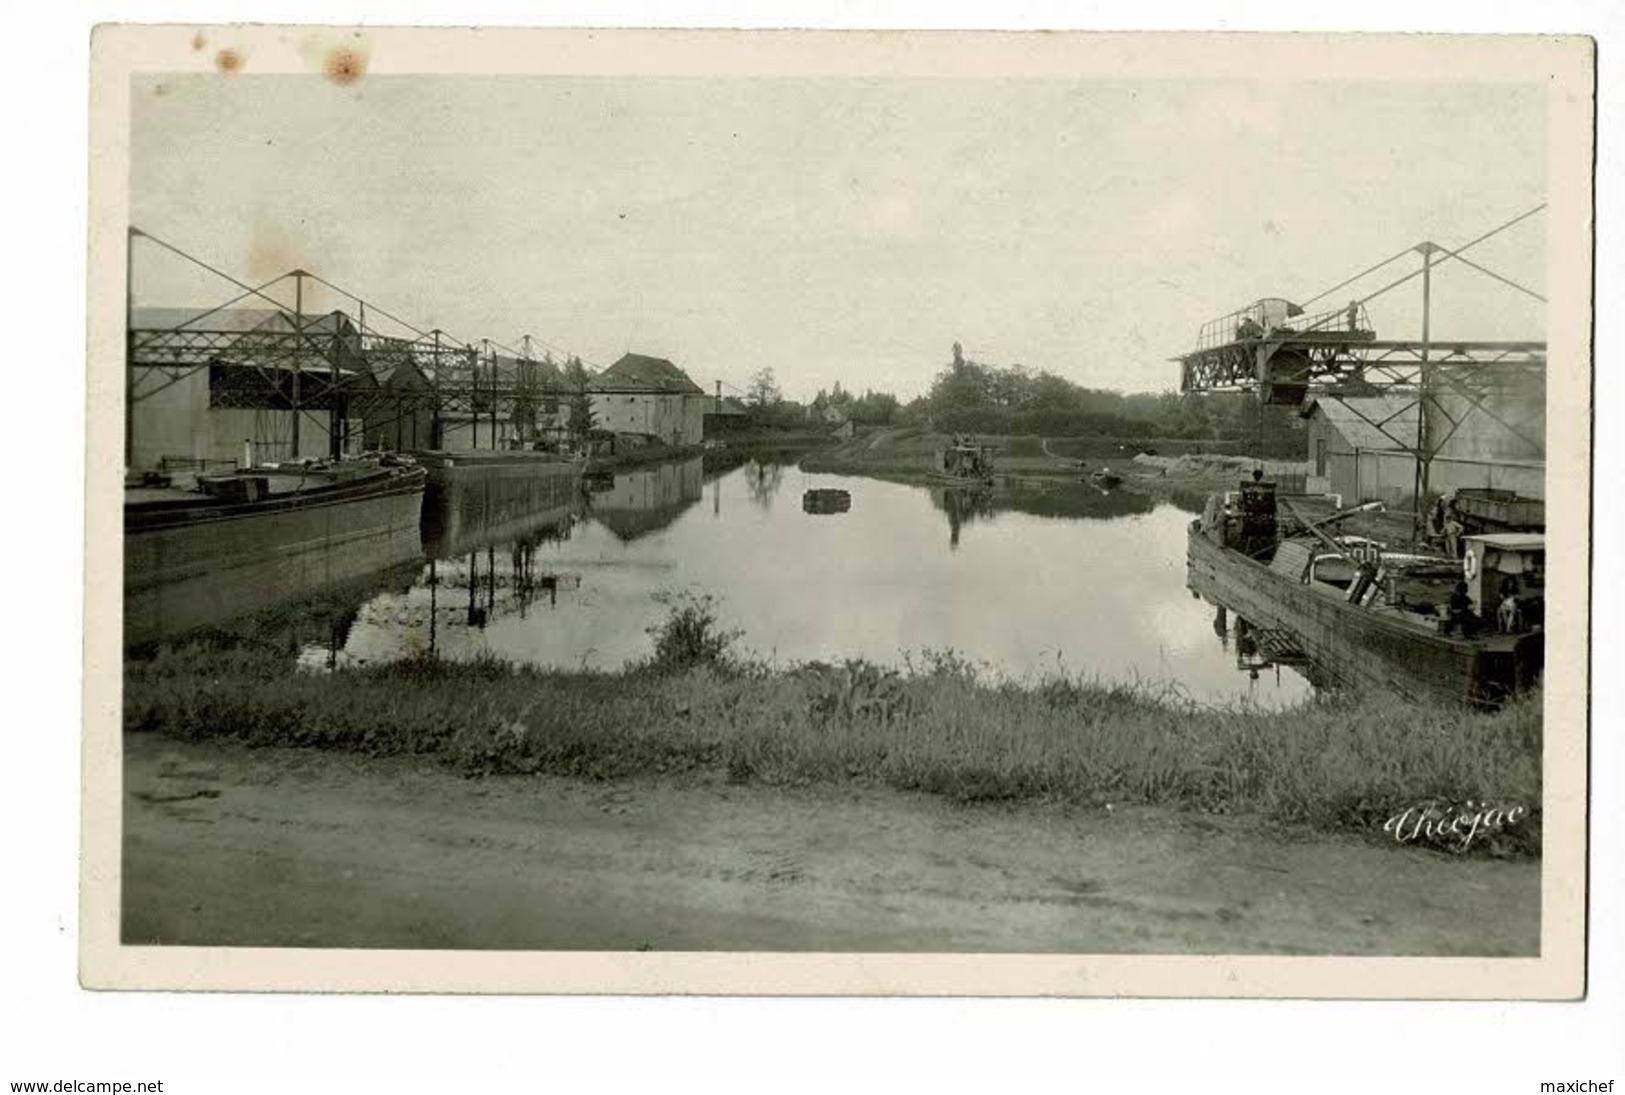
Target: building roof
(641,373)
(1358,419)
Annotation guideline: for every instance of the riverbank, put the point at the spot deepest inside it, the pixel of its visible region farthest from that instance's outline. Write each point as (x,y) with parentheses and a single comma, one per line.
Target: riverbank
(225,845)
(738,447)
(1186,476)
(939,728)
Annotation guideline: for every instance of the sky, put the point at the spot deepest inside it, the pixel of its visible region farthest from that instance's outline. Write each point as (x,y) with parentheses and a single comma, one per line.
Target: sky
(846,229)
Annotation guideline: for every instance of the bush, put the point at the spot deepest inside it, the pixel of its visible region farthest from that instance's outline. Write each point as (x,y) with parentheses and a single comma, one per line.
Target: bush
(689,636)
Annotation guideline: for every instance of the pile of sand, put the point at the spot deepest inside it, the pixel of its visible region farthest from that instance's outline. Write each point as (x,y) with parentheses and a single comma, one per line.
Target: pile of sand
(1207,465)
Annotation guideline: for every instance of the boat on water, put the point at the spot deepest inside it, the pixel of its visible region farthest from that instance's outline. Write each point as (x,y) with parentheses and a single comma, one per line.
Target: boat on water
(1421,625)
(963,461)
(826,500)
(1105,478)
(203,549)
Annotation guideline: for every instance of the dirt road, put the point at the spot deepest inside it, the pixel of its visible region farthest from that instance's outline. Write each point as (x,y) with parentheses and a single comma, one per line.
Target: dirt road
(229,846)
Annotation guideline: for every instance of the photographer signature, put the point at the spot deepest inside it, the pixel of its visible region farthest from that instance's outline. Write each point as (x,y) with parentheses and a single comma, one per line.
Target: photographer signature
(1451,825)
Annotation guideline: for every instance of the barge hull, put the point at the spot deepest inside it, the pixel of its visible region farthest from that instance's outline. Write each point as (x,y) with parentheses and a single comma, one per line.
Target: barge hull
(1354,646)
(179,578)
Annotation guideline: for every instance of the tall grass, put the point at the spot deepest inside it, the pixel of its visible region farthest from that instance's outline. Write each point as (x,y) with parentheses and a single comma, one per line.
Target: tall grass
(939,725)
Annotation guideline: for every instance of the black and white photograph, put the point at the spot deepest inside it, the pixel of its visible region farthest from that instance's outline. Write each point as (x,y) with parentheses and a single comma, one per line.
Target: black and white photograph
(623,500)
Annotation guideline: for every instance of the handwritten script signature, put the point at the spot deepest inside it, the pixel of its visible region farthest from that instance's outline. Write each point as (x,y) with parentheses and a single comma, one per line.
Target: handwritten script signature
(1455,826)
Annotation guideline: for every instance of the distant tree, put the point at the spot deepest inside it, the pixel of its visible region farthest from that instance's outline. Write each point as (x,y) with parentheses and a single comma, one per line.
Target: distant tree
(874,409)
(581,417)
(764,390)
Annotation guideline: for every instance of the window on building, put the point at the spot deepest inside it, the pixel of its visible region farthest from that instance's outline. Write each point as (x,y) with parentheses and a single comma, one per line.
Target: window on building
(1320,456)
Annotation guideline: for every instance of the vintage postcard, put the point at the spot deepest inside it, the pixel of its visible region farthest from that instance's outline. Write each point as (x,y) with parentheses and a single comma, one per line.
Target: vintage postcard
(864,513)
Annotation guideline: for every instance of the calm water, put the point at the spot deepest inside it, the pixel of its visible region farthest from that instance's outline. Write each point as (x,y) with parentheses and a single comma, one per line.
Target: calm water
(1024,580)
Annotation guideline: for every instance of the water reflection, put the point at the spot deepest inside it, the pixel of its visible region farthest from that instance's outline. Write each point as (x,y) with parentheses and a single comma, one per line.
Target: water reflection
(644,501)
(1072,501)
(963,505)
(1030,579)
(1261,650)
(477,574)
(763,480)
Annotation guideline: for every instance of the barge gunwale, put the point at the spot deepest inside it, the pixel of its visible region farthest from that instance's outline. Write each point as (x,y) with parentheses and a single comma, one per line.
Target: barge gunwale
(144,517)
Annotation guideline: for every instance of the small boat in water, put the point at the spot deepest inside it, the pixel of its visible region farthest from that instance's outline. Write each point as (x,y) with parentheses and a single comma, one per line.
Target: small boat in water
(963,461)
(1105,478)
(203,549)
(825,500)
(1413,623)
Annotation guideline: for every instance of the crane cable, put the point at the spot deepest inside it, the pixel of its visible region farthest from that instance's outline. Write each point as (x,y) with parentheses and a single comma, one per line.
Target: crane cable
(1449,254)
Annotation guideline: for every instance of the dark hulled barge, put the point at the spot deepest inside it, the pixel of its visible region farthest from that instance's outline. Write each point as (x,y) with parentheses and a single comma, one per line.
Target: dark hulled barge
(1419,625)
(205,549)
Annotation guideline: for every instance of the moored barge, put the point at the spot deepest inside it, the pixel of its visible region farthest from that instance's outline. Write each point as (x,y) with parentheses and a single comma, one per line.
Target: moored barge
(205,551)
(1421,626)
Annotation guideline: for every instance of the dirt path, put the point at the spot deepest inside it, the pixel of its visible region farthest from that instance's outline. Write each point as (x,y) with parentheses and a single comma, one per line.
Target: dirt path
(228,846)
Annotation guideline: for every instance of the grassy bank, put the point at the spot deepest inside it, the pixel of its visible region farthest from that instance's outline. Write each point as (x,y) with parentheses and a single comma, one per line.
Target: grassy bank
(938,727)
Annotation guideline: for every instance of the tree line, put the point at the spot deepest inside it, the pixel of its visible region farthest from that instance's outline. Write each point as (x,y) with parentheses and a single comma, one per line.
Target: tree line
(967,396)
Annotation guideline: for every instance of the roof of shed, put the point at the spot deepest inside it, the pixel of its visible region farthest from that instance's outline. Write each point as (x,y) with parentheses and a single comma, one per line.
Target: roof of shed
(1369,422)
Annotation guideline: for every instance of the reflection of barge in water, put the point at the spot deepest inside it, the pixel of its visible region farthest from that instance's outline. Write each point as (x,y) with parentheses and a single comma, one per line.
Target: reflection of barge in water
(1371,619)
(251,539)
